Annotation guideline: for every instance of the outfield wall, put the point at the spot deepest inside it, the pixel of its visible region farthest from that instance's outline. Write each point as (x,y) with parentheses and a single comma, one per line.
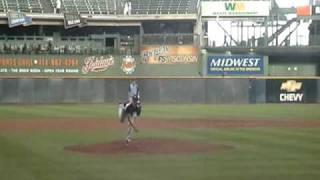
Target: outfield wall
(114,90)
(198,90)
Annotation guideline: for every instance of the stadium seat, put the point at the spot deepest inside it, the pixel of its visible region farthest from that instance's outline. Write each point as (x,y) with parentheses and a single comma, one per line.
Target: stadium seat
(2,6)
(163,6)
(94,6)
(68,6)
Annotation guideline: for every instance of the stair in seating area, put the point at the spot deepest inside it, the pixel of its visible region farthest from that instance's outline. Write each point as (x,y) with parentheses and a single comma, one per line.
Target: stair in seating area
(280,30)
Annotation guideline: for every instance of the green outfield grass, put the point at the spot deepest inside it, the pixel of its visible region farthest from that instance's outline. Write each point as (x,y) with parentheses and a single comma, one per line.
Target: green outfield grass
(259,153)
(221,112)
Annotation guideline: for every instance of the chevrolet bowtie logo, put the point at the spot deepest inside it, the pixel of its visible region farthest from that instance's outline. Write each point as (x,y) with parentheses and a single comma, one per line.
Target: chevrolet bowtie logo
(291,86)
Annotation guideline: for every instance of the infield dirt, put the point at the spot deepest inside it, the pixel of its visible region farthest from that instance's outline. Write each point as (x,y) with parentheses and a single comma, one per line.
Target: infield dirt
(148,146)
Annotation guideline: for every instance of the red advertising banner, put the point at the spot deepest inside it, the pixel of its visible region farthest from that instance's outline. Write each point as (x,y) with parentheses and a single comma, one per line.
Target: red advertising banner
(304,11)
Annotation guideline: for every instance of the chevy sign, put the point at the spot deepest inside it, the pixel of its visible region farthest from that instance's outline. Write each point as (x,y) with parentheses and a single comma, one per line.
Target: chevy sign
(235,65)
(291,94)
(291,90)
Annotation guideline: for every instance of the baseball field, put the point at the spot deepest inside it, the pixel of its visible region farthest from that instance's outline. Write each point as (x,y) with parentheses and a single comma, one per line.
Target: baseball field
(187,142)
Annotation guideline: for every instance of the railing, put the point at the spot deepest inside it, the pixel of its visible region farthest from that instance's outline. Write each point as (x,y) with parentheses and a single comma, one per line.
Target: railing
(90,44)
(46,45)
(170,39)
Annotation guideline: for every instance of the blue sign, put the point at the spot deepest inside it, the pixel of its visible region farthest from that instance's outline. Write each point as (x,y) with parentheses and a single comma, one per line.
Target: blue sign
(235,65)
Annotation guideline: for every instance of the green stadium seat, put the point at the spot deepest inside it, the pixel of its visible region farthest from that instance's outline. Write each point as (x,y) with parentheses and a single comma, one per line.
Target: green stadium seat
(31,6)
(2,6)
(163,6)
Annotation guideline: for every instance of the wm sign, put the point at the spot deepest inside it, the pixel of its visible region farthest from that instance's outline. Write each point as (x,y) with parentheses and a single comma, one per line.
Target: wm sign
(235,8)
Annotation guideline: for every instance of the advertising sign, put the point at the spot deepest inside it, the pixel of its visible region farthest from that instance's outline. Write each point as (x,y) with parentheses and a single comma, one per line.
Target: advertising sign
(51,66)
(97,64)
(169,54)
(304,10)
(87,66)
(235,65)
(73,20)
(291,91)
(18,18)
(235,8)
(128,64)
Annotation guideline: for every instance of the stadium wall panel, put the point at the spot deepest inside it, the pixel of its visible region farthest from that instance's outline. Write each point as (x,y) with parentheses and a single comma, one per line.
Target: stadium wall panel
(198,94)
(257,91)
(97,89)
(223,91)
(71,91)
(25,90)
(55,91)
(121,90)
(110,90)
(152,86)
(10,91)
(85,90)
(318,99)
(1,91)
(41,90)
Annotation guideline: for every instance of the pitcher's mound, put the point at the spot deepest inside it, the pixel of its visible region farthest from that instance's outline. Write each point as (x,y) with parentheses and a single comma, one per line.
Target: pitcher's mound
(149,146)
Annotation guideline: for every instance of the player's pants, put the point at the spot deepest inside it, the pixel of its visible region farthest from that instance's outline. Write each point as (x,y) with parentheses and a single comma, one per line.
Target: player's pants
(130,128)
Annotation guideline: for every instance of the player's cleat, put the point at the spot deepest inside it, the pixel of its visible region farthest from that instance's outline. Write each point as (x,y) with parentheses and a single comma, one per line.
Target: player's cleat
(128,141)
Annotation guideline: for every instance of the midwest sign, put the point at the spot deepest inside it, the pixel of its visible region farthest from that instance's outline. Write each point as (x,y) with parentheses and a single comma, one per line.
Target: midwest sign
(235,65)
(235,8)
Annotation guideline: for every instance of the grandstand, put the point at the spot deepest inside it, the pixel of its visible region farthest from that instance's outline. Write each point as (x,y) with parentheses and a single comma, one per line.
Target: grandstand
(31,6)
(102,6)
